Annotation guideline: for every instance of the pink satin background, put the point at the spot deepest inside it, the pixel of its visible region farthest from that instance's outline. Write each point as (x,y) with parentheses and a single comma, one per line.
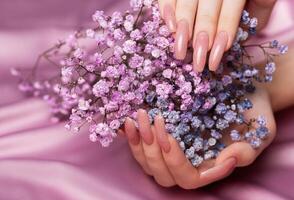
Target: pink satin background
(40,160)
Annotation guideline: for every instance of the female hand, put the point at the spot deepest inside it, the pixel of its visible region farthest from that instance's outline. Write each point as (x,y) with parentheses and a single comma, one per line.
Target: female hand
(160,156)
(211,23)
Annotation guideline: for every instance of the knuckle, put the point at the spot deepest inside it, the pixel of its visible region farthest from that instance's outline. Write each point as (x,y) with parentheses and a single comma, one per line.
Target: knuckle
(152,156)
(248,158)
(173,163)
(166,184)
(188,185)
(207,19)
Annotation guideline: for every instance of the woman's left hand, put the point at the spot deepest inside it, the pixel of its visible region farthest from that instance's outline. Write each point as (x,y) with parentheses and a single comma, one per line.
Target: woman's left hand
(160,155)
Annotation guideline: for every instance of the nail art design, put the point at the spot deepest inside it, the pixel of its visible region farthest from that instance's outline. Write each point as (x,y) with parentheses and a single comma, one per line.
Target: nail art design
(170,18)
(218,50)
(182,37)
(200,51)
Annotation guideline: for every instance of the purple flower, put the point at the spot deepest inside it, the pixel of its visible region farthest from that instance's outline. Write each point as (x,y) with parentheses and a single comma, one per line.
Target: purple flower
(167,73)
(270,68)
(118,34)
(283,49)
(129,46)
(125,62)
(164,89)
(100,18)
(101,88)
(136,61)
(136,4)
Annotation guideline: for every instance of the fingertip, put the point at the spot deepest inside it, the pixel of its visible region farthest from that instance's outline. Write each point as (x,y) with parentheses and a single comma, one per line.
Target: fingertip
(242,151)
(200,50)
(131,132)
(182,37)
(218,50)
(219,171)
(161,134)
(145,127)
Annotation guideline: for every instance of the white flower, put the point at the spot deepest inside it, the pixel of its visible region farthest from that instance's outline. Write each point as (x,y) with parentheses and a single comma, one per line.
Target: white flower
(84,105)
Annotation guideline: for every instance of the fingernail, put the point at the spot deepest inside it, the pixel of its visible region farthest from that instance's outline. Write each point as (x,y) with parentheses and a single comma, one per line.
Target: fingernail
(220,170)
(170,18)
(145,129)
(182,35)
(162,136)
(133,138)
(200,51)
(218,50)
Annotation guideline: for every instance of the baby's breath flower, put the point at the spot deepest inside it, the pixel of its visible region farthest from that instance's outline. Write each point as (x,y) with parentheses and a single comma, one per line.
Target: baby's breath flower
(128,63)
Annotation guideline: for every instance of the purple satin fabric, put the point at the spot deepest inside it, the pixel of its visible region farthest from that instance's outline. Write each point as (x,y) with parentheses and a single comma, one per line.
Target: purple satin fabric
(40,160)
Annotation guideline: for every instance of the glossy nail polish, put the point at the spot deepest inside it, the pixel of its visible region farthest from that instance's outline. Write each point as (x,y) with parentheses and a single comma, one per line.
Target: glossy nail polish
(220,170)
(144,127)
(170,18)
(218,50)
(182,37)
(133,137)
(200,51)
(162,137)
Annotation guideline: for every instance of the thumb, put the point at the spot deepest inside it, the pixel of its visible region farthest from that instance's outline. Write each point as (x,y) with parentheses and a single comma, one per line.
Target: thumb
(243,151)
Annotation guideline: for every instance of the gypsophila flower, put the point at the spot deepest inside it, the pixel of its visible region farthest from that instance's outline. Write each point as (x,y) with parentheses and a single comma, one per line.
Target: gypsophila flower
(126,62)
(129,46)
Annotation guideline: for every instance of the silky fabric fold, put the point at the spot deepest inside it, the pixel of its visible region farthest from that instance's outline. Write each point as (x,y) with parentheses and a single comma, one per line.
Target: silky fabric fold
(41,160)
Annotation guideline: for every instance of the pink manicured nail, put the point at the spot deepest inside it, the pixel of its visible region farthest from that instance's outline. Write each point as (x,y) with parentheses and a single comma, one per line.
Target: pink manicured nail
(219,171)
(170,18)
(133,136)
(144,127)
(161,134)
(200,51)
(218,50)
(182,37)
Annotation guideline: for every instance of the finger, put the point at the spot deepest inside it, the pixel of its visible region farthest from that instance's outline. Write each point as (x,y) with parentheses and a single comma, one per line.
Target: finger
(218,172)
(121,133)
(227,27)
(144,127)
(185,15)
(184,174)
(161,135)
(204,32)
(167,10)
(261,9)
(243,151)
(156,163)
(135,144)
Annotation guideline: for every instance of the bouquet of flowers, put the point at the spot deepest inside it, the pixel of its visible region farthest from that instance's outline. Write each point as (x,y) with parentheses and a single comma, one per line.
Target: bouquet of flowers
(126,62)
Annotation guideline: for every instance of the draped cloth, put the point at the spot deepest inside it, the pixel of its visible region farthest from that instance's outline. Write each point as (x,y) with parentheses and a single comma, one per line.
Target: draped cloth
(41,160)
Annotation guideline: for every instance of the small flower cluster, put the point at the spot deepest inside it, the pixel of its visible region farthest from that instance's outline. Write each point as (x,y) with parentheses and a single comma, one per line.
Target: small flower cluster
(126,62)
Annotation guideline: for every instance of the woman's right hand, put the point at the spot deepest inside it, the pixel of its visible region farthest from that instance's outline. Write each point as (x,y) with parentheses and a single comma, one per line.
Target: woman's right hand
(212,24)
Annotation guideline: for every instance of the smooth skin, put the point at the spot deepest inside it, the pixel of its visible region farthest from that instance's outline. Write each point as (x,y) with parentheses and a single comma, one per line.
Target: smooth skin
(210,25)
(161,157)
